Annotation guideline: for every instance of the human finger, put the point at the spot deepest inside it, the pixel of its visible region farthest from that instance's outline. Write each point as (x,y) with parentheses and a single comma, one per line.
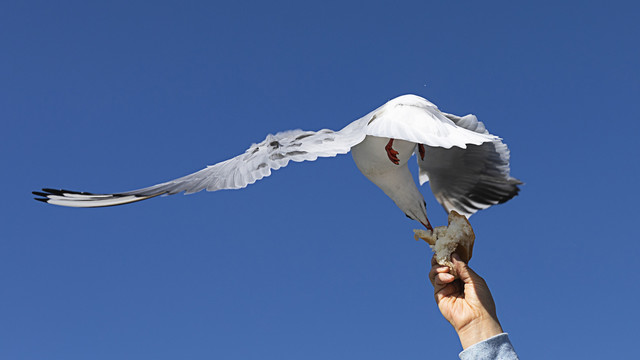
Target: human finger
(437,269)
(432,274)
(447,290)
(440,279)
(443,278)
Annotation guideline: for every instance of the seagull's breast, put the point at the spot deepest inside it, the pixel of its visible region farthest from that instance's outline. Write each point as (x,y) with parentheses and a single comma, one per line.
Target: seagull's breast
(372,159)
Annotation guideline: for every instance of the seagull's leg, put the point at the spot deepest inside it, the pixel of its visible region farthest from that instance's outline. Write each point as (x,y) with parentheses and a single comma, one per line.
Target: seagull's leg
(391,153)
(421,151)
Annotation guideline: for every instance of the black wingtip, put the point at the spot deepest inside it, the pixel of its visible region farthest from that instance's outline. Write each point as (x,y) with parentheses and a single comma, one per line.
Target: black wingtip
(43,200)
(61,192)
(52,191)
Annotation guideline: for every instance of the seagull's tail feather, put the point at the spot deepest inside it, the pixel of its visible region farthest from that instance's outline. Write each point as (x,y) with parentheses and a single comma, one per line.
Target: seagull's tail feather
(85,199)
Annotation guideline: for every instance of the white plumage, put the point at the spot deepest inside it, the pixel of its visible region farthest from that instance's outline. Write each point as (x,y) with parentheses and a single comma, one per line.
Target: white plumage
(468,168)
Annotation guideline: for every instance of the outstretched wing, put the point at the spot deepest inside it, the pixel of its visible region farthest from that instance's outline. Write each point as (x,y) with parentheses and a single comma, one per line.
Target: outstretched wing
(407,117)
(257,162)
(471,179)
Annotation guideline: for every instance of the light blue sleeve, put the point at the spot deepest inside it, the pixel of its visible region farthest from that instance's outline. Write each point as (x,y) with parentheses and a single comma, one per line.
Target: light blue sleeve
(495,348)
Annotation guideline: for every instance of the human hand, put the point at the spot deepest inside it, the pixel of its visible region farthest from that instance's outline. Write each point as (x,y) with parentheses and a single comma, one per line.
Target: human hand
(465,302)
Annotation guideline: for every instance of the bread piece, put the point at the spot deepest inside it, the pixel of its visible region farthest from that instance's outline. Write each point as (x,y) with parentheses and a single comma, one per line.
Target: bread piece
(444,240)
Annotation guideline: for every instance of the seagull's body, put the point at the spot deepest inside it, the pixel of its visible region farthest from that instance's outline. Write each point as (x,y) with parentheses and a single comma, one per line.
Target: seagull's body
(467,167)
(394,178)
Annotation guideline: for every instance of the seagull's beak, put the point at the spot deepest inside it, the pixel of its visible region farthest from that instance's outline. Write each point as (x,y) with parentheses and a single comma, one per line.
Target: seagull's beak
(427,225)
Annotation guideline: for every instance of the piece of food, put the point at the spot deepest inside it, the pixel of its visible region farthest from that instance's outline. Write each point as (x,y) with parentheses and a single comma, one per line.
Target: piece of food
(444,240)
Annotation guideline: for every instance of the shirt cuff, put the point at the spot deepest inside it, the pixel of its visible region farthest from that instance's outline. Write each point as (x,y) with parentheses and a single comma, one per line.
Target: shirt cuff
(496,348)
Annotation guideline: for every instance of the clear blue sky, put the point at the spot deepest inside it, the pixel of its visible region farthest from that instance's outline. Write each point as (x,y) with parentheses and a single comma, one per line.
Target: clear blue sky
(313,262)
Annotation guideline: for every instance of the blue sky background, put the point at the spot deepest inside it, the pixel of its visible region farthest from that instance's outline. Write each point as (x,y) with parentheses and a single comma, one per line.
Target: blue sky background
(313,262)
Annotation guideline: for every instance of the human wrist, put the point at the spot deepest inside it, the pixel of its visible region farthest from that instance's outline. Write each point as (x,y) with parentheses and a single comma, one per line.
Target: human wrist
(479,330)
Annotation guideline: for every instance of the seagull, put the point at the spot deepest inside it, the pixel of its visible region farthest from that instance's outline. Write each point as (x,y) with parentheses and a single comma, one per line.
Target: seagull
(466,166)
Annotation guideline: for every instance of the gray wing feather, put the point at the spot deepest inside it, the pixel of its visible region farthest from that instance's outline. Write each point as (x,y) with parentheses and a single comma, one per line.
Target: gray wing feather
(258,161)
(471,179)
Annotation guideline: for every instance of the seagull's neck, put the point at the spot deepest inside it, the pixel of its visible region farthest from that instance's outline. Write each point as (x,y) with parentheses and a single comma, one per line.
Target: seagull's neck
(393,178)
(401,188)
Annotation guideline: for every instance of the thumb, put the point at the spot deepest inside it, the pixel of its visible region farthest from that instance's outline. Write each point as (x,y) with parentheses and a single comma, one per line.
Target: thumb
(463,271)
